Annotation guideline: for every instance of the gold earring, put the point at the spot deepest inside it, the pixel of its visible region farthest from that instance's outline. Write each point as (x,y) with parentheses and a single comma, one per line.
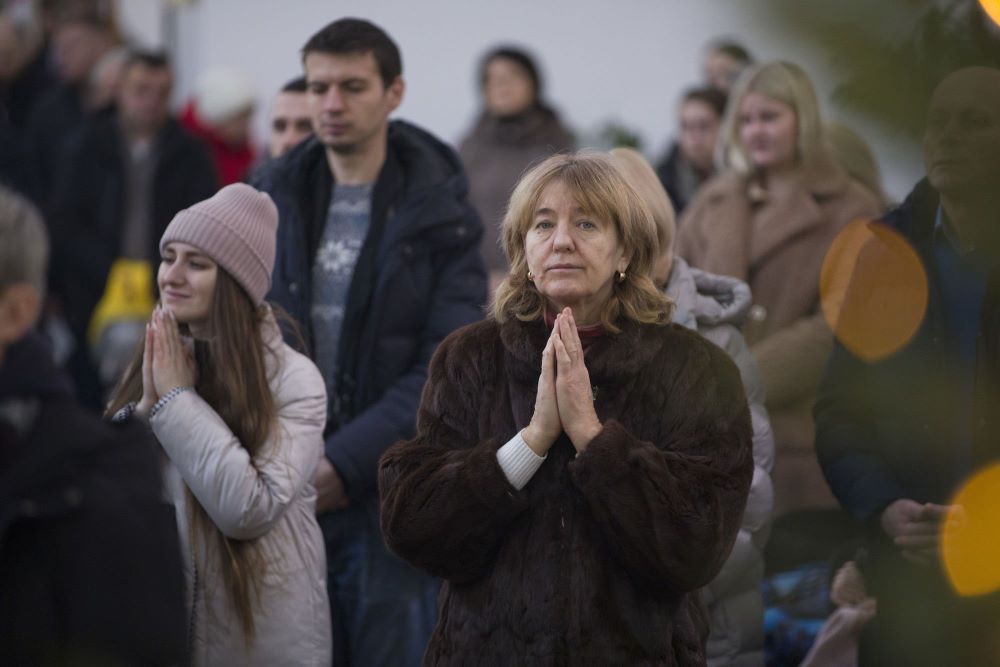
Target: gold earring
(620,276)
(531,276)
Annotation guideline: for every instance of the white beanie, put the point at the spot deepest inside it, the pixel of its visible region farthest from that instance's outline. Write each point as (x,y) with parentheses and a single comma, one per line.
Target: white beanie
(222,93)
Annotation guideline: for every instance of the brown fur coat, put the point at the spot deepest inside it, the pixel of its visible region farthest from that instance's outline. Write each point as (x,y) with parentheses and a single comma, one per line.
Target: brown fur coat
(594,561)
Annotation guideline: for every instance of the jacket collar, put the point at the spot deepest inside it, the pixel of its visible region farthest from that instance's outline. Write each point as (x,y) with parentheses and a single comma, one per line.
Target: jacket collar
(747,225)
(536,126)
(419,170)
(915,217)
(801,211)
(821,179)
(270,332)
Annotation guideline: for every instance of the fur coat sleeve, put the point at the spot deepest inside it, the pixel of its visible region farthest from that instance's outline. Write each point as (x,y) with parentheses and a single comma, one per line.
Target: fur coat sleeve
(446,503)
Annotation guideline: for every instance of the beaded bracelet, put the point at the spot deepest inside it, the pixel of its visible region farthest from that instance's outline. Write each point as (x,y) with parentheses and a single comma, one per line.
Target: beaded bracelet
(124,413)
(166,398)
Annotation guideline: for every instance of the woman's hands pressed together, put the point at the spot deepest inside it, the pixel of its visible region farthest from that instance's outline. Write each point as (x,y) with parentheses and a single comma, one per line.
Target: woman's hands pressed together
(545,425)
(149,395)
(167,360)
(564,401)
(173,361)
(573,392)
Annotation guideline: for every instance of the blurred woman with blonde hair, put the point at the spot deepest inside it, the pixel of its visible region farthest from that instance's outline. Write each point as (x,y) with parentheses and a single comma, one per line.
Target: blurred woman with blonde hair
(716,307)
(769,220)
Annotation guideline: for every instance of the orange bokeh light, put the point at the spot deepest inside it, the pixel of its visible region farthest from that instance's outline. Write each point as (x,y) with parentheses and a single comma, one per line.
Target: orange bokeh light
(873,290)
(992,9)
(970,550)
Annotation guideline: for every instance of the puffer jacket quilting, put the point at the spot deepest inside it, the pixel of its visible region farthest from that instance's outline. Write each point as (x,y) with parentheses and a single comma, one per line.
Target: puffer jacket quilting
(270,499)
(716,306)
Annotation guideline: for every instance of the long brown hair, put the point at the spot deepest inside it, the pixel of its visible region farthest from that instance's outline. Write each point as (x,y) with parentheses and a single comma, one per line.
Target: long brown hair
(232,378)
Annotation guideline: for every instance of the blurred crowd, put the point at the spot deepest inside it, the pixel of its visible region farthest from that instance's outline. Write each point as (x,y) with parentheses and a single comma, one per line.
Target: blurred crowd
(865,335)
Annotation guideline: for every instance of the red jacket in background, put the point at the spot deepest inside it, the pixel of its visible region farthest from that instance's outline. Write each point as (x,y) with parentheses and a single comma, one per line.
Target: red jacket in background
(231,164)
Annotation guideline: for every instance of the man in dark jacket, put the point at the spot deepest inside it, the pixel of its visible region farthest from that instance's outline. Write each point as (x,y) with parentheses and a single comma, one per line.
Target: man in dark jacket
(78,42)
(378,261)
(898,432)
(121,181)
(90,565)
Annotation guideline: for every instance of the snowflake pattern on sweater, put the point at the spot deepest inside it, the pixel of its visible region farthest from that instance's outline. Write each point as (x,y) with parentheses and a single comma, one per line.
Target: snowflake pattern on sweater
(333,269)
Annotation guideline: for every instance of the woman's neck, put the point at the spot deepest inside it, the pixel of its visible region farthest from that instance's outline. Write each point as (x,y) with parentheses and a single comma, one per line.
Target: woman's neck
(199,330)
(585,314)
(359,167)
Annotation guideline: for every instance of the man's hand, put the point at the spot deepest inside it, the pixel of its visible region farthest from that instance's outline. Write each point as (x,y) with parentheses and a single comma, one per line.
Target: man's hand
(330,493)
(915,528)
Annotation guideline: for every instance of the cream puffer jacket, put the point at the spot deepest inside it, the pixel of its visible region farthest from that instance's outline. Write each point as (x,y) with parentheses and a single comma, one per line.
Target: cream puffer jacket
(715,306)
(270,499)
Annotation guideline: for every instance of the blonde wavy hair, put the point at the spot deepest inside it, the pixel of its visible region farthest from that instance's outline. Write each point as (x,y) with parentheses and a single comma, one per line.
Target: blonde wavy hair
(600,190)
(640,175)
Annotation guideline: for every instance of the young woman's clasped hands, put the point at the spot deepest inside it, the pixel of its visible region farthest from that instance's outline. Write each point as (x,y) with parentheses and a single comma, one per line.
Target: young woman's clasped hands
(565,400)
(167,361)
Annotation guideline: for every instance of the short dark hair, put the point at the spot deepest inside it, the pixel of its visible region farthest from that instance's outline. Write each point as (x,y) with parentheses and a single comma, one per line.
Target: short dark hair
(151,59)
(358,36)
(733,49)
(519,57)
(714,98)
(296,85)
(88,20)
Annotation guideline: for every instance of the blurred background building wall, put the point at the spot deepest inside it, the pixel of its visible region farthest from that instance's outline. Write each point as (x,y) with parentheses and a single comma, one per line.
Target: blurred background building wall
(625,62)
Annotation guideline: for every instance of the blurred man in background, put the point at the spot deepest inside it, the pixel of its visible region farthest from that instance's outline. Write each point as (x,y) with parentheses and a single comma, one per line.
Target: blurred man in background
(78,43)
(724,61)
(121,181)
(290,119)
(897,435)
(90,563)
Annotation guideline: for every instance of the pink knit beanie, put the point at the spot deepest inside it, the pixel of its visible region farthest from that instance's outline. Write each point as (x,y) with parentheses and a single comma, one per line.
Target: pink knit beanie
(237,229)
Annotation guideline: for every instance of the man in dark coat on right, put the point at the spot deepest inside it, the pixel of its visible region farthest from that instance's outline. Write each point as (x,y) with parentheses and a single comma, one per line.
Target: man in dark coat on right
(899,434)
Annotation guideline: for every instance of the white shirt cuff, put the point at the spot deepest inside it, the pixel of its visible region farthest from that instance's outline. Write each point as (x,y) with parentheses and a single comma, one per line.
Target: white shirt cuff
(518,462)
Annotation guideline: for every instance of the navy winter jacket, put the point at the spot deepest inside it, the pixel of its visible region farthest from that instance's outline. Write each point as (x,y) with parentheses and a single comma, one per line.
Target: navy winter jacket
(912,425)
(90,562)
(420,276)
(887,429)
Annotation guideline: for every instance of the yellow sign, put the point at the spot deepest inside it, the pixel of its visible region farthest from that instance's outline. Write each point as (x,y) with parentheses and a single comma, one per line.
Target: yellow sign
(128,296)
